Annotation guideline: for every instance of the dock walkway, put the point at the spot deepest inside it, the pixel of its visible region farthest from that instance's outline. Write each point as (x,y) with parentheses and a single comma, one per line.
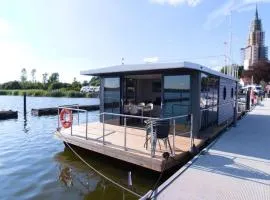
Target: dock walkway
(236,166)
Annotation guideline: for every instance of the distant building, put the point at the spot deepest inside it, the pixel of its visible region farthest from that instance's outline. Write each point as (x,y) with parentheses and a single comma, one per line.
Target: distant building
(255,51)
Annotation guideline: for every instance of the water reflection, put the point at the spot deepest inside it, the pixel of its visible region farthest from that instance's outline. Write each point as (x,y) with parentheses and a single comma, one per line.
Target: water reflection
(25,127)
(73,174)
(65,176)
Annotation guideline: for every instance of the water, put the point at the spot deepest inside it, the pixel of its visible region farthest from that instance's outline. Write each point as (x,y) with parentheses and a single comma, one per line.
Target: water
(32,159)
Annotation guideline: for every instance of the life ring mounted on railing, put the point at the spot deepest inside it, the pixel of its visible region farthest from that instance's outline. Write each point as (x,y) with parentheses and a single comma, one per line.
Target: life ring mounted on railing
(66,118)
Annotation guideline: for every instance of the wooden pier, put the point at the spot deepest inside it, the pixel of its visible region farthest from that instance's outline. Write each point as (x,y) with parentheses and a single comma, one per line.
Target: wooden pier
(235,166)
(8,114)
(135,151)
(54,110)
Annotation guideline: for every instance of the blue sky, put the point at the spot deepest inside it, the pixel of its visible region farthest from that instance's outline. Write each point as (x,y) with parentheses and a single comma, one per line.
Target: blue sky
(68,36)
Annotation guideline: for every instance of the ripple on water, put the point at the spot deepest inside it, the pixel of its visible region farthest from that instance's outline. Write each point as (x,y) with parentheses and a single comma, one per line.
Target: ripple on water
(31,158)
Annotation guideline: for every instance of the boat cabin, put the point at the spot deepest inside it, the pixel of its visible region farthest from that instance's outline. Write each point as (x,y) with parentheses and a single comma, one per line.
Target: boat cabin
(162,90)
(149,109)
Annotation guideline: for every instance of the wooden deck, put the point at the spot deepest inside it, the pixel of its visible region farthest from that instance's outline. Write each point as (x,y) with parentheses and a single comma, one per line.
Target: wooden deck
(135,152)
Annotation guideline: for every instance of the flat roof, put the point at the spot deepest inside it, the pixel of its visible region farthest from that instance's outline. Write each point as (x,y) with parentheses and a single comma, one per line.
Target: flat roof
(152,67)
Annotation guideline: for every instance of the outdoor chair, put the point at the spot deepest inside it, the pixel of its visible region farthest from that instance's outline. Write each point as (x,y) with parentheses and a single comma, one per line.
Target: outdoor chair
(149,108)
(142,104)
(161,129)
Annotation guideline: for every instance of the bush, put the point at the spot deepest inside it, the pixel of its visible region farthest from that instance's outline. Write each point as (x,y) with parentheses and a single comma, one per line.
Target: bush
(73,93)
(55,93)
(3,92)
(39,93)
(11,85)
(63,92)
(15,93)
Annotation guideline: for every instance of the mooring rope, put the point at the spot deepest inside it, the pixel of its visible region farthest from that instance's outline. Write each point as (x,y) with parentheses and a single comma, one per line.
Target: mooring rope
(166,155)
(99,173)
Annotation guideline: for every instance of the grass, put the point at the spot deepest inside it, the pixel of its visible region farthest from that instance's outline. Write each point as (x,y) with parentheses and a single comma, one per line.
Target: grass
(45,93)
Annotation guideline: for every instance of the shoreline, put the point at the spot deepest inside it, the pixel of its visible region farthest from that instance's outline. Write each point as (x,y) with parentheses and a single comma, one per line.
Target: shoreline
(48,93)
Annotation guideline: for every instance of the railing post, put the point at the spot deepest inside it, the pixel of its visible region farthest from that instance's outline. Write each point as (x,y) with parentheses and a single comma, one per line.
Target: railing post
(86,125)
(71,130)
(125,136)
(78,115)
(58,119)
(103,129)
(173,137)
(191,132)
(152,141)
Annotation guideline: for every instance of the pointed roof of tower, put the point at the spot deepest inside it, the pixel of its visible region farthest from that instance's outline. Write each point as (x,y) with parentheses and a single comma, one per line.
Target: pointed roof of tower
(256,13)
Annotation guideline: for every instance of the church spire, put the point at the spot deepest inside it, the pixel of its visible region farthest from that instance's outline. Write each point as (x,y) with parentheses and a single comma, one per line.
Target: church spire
(256,13)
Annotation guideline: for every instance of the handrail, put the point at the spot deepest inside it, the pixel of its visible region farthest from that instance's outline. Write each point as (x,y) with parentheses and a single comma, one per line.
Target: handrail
(125,116)
(174,117)
(218,105)
(69,105)
(69,108)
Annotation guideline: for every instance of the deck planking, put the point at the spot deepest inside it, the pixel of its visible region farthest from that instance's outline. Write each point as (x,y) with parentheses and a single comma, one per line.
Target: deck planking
(135,152)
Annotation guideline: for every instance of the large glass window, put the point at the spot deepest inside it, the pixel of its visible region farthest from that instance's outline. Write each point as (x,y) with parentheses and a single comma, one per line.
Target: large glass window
(176,99)
(112,99)
(209,99)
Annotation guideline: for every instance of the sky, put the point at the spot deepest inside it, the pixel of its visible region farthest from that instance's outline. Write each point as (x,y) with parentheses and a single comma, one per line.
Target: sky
(68,36)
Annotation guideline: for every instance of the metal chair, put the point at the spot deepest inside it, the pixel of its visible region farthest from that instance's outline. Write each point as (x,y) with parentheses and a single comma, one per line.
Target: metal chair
(142,104)
(161,129)
(148,108)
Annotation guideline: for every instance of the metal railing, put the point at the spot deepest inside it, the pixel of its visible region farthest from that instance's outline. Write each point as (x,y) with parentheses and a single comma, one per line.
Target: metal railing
(173,122)
(73,110)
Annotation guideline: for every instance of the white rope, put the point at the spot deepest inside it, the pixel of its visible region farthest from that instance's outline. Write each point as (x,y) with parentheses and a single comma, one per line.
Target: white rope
(99,173)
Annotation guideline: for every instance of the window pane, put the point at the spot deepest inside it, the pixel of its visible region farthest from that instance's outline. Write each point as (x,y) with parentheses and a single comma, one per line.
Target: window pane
(176,95)
(209,99)
(112,99)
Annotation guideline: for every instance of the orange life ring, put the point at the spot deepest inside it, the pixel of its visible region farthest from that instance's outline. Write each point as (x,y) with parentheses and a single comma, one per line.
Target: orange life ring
(66,123)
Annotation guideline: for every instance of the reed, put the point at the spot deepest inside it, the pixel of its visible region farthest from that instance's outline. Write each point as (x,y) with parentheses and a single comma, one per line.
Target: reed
(46,93)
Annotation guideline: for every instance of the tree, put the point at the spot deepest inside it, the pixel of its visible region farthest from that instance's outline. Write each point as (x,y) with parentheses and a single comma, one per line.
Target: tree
(85,83)
(23,75)
(54,78)
(95,81)
(45,78)
(33,74)
(55,86)
(76,85)
(240,69)
(11,85)
(260,72)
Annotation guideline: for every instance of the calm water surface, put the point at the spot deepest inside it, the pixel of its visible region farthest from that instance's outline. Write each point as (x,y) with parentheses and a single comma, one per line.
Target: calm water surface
(32,159)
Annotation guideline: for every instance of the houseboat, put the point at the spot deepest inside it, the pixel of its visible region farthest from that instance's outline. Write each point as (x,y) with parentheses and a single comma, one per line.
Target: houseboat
(149,109)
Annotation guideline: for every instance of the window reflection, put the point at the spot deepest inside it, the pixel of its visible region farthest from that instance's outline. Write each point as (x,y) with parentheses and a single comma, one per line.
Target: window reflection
(112,99)
(209,99)
(176,95)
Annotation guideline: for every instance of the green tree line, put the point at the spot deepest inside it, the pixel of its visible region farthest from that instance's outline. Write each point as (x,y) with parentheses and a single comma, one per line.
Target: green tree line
(49,86)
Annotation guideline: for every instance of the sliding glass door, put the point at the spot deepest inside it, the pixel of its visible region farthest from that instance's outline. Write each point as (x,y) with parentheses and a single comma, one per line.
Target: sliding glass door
(176,95)
(112,99)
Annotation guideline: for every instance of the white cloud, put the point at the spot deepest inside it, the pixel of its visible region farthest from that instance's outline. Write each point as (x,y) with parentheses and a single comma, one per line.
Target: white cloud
(217,16)
(191,3)
(151,59)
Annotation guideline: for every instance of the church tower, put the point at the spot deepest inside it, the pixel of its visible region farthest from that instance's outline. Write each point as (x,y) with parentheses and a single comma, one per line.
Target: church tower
(255,51)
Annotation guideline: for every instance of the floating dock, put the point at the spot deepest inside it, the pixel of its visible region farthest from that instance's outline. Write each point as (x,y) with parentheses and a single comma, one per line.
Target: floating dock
(8,114)
(54,110)
(114,144)
(235,166)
